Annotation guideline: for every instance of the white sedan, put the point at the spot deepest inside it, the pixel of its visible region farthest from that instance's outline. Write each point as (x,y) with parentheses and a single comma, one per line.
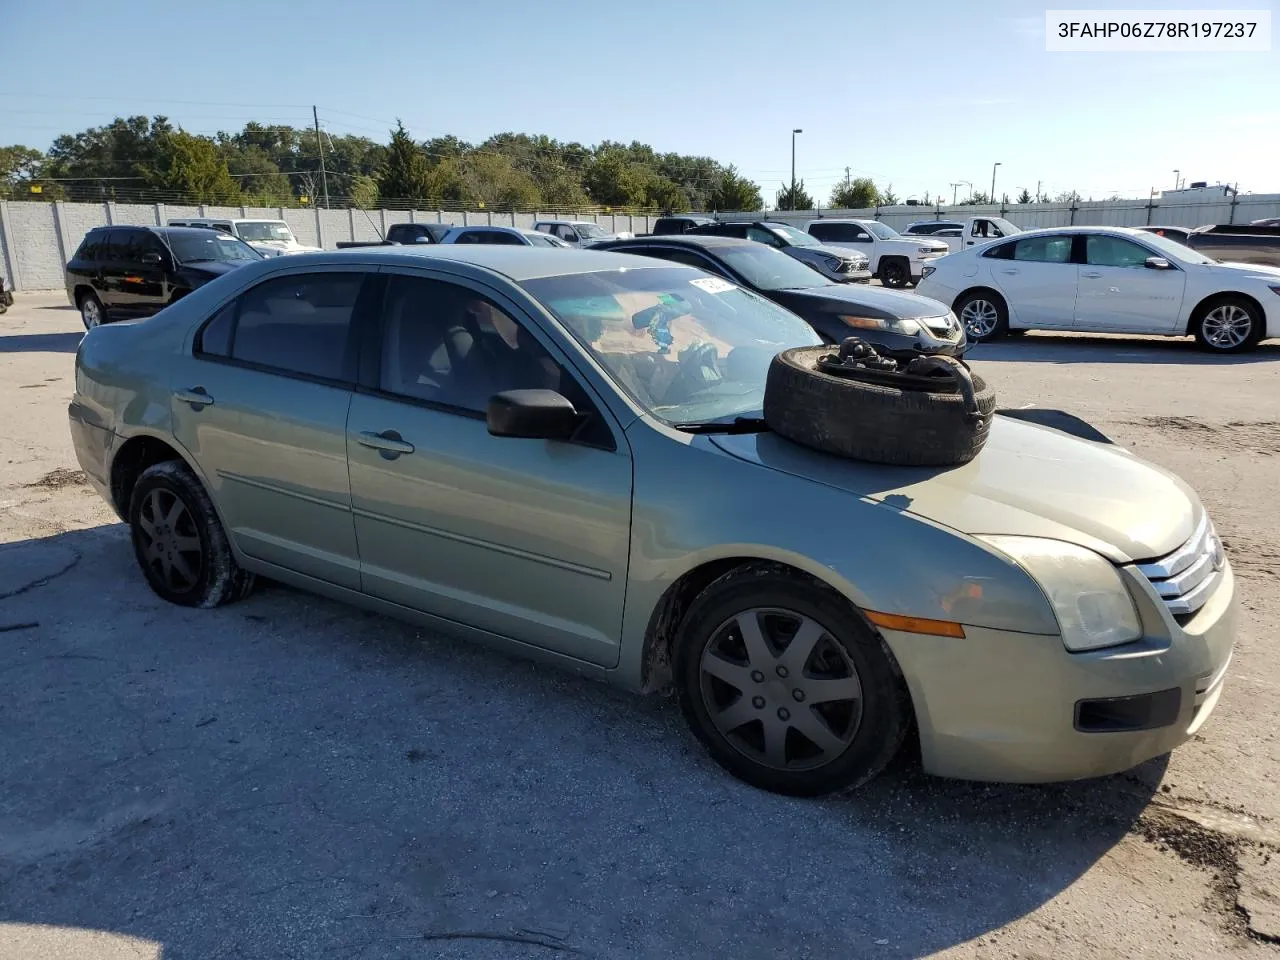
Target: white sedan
(1106,280)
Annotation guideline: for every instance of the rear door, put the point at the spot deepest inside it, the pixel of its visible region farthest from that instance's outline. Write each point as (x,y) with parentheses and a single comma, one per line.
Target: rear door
(1038,279)
(112,267)
(1119,293)
(260,403)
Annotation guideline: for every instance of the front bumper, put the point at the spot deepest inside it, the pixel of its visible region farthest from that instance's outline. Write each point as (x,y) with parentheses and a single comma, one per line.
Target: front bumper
(917,266)
(1006,706)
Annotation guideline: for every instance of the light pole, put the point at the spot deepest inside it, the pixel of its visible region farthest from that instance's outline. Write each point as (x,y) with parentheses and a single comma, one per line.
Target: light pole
(957,184)
(1175,178)
(993,181)
(793,166)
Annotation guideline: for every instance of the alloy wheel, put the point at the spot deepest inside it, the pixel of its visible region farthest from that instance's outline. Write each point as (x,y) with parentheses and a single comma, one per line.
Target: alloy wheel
(91,313)
(170,543)
(979,318)
(1227,326)
(781,689)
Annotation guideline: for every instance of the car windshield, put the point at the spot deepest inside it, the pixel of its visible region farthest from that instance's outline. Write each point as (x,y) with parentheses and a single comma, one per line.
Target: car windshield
(797,238)
(193,248)
(259,230)
(768,269)
(1006,228)
(688,347)
(882,231)
(589,230)
(1172,248)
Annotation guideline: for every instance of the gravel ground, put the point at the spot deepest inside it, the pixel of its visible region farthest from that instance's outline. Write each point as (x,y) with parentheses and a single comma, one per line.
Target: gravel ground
(289,777)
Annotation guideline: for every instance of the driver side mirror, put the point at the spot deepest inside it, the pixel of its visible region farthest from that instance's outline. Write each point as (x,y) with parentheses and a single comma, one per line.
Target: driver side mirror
(532,415)
(1157,263)
(422,238)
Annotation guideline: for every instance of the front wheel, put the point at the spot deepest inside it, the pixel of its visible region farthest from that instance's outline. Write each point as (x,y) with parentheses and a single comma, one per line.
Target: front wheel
(1229,325)
(91,311)
(179,541)
(983,314)
(786,686)
(894,273)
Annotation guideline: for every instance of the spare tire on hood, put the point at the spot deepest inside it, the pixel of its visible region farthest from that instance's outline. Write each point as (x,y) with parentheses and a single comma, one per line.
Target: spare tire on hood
(929,419)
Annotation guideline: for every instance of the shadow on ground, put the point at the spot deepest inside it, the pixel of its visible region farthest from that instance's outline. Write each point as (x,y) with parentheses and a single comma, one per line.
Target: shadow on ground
(1054,348)
(40,342)
(292,777)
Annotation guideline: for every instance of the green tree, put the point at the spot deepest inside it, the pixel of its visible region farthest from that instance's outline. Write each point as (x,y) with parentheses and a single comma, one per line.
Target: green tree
(492,179)
(19,168)
(193,169)
(406,175)
(612,180)
(887,197)
(663,194)
(1024,196)
(363,191)
(733,192)
(857,194)
(797,199)
(976,197)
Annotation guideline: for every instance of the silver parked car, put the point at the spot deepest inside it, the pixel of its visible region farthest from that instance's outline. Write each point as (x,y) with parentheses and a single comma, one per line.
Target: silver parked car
(579,233)
(562,453)
(501,236)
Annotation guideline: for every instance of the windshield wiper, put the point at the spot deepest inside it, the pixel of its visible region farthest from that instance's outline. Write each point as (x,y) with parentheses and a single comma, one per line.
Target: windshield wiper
(736,425)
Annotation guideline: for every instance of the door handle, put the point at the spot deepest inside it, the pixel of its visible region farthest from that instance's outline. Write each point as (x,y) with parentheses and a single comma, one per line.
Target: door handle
(1012,273)
(1091,276)
(388,443)
(198,397)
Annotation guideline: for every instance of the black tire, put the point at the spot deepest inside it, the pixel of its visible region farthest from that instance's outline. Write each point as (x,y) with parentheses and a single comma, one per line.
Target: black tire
(990,328)
(179,542)
(90,308)
(1221,336)
(868,421)
(895,272)
(866,732)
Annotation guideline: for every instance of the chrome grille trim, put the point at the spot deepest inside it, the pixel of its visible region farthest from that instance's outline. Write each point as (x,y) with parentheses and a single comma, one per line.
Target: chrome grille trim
(1185,578)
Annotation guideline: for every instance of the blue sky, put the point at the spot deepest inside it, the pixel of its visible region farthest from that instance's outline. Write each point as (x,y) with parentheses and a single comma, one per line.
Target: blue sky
(918,94)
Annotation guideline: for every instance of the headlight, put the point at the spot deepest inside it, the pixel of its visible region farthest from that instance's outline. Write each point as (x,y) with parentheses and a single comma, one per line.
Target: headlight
(897,325)
(924,250)
(831,262)
(1093,608)
(925,271)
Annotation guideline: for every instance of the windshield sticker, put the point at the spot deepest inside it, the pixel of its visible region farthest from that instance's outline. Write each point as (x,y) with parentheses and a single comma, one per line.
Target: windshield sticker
(713,284)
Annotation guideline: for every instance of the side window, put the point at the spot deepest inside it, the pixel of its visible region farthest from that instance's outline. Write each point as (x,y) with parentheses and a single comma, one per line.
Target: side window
(299,324)
(500,237)
(542,227)
(760,235)
(1043,249)
(1103,251)
(822,231)
(447,345)
(115,245)
(997,251)
(215,338)
(91,247)
(566,233)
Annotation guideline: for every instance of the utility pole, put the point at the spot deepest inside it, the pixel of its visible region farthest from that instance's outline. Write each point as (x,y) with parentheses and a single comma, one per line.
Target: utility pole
(992,197)
(793,166)
(324,177)
(1037,191)
(846,178)
(1175,178)
(954,188)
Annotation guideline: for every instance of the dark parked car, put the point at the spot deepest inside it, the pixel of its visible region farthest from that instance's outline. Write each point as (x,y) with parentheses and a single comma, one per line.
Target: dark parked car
(886,318)
(679,223)
(120,272)
(1255,243)
(834,263)
(402,233)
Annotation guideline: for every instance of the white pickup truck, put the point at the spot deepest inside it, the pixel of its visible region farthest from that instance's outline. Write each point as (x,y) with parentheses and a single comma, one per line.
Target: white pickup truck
(961,235)
(894,259)
(271,238)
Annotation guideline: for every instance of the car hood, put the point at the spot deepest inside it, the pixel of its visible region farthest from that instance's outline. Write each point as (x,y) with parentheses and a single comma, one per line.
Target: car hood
(280,247)
(1254,270)
(215,268)
(873,302)
(822,250)
(1027,481)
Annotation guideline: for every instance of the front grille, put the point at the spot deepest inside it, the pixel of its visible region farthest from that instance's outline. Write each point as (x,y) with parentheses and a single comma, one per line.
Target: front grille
(1185,578)
(853,266)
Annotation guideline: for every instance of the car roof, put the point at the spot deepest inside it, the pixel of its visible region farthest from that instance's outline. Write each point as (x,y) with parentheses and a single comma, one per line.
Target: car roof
(684,239)
(516,263)
(201,232)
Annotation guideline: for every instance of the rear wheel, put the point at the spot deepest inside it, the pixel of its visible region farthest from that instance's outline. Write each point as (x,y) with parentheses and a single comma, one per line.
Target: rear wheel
(91,311)
(179,541)
(983,314)
(786,686)
(1229,325)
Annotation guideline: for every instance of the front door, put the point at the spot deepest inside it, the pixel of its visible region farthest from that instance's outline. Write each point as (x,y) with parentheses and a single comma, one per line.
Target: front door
(143,279)
(261,405)
(527,539)
(1038,281)
(1119,293)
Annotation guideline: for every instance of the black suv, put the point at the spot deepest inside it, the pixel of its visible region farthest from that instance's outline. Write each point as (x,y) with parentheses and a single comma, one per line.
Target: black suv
(123,272)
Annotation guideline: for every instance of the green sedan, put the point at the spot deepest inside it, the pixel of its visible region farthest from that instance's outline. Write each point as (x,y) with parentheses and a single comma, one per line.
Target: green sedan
(562,453)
